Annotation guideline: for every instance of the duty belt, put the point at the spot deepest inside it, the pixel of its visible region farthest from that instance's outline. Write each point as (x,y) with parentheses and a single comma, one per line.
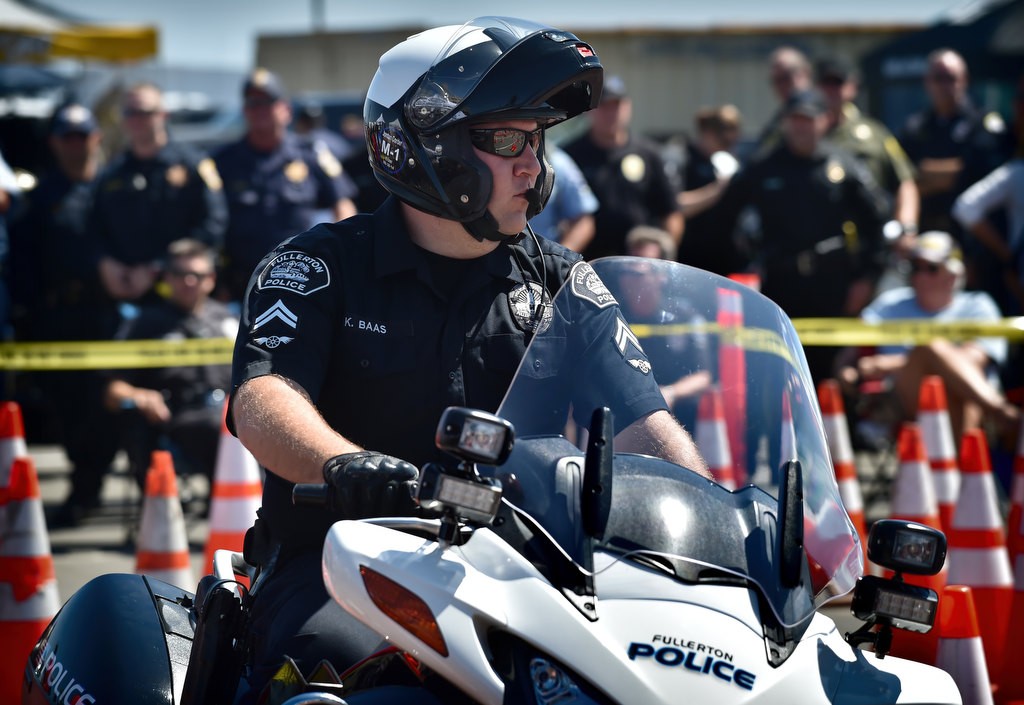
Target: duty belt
(805,260)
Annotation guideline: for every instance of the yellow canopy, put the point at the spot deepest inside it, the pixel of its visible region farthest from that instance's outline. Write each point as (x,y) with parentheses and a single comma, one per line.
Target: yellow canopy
(30,34)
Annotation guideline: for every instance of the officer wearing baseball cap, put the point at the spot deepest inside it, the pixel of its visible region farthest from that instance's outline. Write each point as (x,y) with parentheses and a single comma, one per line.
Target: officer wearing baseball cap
(73,119)
(57,296)
(870,142)
(274,184)
(821,216)
(627,174)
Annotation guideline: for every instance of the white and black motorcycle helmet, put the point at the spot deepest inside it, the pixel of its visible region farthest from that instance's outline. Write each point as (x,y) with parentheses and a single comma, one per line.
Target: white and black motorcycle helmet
(431,87)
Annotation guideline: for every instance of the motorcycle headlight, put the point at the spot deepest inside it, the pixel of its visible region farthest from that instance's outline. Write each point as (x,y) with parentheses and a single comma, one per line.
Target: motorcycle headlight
(551,684)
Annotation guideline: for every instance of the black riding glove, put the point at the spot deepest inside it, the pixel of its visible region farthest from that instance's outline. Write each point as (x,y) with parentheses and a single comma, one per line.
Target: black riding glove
(368,484)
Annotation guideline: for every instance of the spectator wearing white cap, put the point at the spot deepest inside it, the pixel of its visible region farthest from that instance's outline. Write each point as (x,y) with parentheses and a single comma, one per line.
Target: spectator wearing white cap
(968,368)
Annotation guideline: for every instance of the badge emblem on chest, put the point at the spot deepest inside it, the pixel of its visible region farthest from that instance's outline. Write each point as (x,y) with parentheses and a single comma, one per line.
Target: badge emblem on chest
(530,306)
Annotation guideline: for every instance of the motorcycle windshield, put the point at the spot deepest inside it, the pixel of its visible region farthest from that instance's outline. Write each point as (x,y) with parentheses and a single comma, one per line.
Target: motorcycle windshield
(742,389)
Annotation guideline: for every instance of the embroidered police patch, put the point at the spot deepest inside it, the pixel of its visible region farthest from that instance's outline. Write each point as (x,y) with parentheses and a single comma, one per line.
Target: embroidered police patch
(296,272)
(273,341)
(531,307)
(587,285)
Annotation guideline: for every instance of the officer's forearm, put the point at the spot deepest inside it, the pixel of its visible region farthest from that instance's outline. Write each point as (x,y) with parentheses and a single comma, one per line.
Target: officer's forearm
(279,425)
(660,435)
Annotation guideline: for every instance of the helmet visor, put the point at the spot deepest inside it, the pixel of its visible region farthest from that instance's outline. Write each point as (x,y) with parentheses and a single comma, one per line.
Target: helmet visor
(456,74)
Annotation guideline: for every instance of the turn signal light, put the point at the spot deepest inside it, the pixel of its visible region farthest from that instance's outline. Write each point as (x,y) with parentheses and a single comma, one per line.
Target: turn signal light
(405,608)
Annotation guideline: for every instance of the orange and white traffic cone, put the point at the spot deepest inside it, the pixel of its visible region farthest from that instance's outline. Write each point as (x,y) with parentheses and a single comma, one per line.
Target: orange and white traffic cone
(1010,683)
(732,371)
(236,495)
(937,432)
(1015,522)
(913,499)
(12,439)
(162,548)
(837,431)
(712,437)
(961,651)
(28,583)
(977,546)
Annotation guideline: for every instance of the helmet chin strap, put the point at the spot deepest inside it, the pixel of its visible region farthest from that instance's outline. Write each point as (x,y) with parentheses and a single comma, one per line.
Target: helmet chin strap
(486,227)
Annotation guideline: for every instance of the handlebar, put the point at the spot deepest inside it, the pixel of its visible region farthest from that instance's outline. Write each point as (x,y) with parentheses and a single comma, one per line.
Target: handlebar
(312,494)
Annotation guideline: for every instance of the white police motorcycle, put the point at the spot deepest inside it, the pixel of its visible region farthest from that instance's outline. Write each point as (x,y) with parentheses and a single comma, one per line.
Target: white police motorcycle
(556,570)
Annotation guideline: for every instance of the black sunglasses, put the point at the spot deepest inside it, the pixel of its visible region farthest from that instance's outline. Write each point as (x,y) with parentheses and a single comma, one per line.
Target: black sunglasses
(259,102)
(505,141)
(929,267)
(138,112)
(184,273)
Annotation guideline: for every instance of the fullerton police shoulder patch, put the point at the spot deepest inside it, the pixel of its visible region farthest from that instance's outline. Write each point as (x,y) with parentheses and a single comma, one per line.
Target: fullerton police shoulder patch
(296,272)
(587,285)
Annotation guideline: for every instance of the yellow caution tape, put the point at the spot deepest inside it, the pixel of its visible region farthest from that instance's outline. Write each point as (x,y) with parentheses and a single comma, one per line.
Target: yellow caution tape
(115,354)
(127,354)
(852,331)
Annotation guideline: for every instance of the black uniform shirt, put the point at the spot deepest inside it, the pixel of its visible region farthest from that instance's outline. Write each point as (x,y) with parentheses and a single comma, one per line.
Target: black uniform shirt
(354,313)
(980,140)
(143,205)
(273,196)
(632,188)
(53,262)
(821,221)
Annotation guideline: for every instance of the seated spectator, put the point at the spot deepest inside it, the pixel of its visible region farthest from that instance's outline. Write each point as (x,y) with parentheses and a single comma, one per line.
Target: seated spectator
(969,369)
(681,386)
(649,241)
(176,408)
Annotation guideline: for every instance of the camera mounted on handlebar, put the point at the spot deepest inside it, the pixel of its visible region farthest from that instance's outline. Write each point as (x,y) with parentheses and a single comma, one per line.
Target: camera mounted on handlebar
(456,493)
(903,547)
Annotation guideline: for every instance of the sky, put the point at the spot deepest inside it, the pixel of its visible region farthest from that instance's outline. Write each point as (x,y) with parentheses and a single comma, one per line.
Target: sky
(222,33)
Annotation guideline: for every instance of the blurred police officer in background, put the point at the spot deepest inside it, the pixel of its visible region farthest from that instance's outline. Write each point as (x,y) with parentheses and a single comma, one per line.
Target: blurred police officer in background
(627,174)
(951,143)
(789,72)
(153,193)
(821,217)
(710,164)
(869,141)
(568,217)
(58,296)
(274,184)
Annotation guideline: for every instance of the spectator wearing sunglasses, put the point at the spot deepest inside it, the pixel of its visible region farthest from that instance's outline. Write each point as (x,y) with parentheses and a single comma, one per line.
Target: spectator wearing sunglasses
(179,408)
(357,335)
(952,143)
(969,369)
(155,192)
